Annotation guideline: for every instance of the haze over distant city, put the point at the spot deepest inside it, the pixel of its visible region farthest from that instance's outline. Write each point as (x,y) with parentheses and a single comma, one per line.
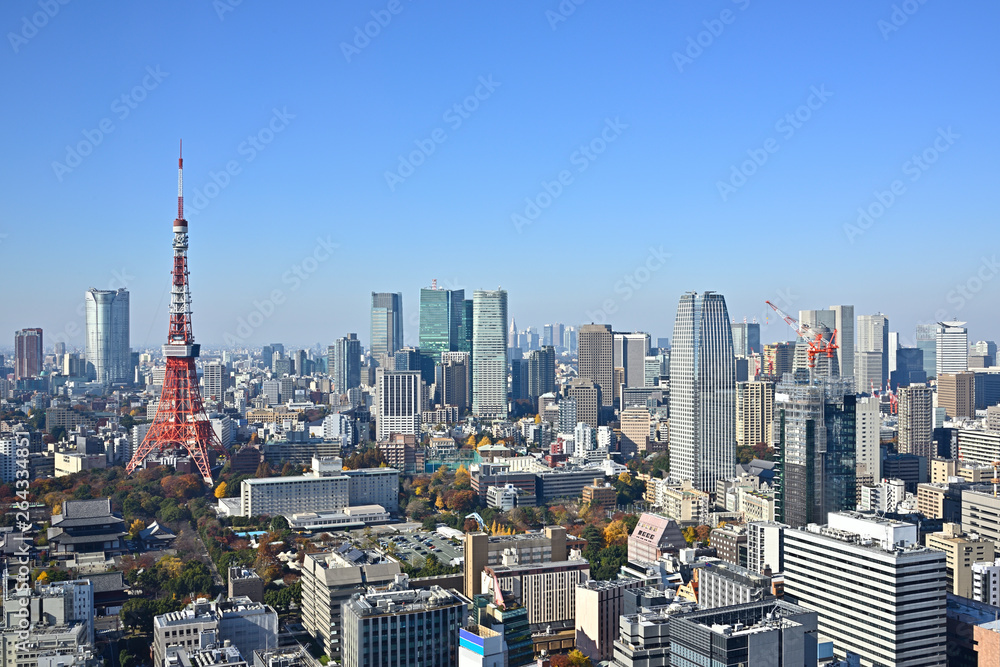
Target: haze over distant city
(595,163)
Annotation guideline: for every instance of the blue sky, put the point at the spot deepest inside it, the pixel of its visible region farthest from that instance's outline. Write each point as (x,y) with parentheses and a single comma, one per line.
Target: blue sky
(642,109)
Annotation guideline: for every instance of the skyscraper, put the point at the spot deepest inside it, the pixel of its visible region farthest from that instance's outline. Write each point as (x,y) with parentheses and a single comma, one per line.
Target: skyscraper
(916,420)
(873,336)
(541,371)
(398,402)
(596,359)
(489,353)
(952,348)
(386,325)
(844,323)
(746,338)
(345,363)
(754,413)
(28,354)
(441,315)
(630,350)
(927,342)
(815,446)
(215,376)
(702,391)
(107,347)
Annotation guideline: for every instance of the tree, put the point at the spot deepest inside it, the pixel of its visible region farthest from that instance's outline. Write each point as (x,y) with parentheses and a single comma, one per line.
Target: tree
(578,659)
(126,659)
(279,523)
(439,503)
(471,440)
(42,578)
(461,501)
(485,440)
(220,490)
(616,533)
(702,533)
(463,480)
(137,527)
(470,526)
(689,535)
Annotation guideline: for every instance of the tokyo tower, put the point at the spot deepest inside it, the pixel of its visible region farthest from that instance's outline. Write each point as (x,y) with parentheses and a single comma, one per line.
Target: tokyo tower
(180,420)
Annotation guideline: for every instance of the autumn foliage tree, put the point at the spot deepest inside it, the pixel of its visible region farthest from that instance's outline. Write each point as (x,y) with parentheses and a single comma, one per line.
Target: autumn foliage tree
(616,533)
(220,490)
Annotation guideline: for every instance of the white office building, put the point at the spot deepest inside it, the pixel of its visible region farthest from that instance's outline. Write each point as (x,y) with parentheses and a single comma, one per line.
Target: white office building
(878,592)
(398,403)
(952,348)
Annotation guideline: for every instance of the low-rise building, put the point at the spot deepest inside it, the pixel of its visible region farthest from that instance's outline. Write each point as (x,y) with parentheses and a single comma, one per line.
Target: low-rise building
(547,590)
(599,494)
(962,551)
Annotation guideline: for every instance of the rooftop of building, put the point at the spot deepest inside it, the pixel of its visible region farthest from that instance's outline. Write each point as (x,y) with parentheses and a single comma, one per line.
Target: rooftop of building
(520,568)
(398,598)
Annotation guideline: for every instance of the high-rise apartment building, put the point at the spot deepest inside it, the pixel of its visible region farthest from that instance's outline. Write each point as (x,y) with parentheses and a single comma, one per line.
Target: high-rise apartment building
(216,378)
(778,360)
(952,348)
(107,345)
(814,440)
(398,403)
(873,337)
(596,359)
(868,454)
(702,391)
(754,413)
(916,420)
(28,355)
(878,593)
(635,425)
(587,395)
(345,363)
(456,379)
(570,339)
(386,325)
(541,372)
(489,353)
(957,394)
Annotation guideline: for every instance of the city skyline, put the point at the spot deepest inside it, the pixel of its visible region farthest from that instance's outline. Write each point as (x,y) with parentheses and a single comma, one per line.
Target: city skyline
(316,183)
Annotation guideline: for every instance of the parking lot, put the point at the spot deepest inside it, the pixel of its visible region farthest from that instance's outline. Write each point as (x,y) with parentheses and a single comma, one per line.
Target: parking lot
(415,546)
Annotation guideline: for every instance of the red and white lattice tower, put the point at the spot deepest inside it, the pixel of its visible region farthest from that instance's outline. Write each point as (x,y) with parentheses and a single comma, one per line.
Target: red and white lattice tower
(180,420)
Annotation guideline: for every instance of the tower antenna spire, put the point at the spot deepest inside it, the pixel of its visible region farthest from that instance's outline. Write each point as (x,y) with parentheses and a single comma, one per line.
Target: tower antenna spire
(180,183)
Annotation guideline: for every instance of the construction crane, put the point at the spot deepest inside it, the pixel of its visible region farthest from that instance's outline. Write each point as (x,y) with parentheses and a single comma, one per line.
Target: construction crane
(817,344)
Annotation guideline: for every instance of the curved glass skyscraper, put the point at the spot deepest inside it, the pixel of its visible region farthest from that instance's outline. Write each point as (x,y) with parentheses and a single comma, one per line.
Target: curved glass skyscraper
(108,354)
(702,391)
